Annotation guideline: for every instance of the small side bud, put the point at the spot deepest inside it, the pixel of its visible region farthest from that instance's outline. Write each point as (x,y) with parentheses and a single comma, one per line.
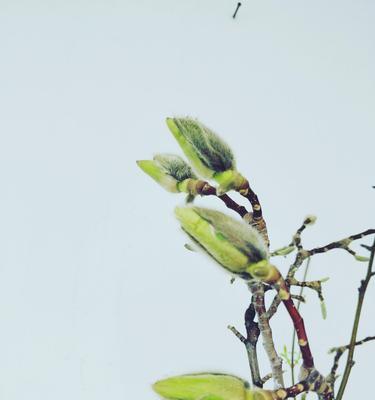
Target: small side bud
(284,251)
(168,170)
(310,220)
(154,170)
(361,258)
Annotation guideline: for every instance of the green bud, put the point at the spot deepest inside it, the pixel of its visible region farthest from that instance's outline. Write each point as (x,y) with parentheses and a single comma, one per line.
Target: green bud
(205,386)
(175,166)
(310,220)
(284,251)
(208,386)
(228,180)
(233,244)
(361,258)
(207,153)
(264,271)
(168,170)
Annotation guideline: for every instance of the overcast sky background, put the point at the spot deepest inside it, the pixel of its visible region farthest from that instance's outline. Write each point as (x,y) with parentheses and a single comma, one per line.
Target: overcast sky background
(98,297)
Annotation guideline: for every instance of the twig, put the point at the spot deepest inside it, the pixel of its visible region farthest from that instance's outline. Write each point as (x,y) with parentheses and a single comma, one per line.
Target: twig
(203,188)
(273,307)
(340,244)
(257,290)
(297,236)
(361,295)
(250,343)
(339,352)
(294,332)
(238,7)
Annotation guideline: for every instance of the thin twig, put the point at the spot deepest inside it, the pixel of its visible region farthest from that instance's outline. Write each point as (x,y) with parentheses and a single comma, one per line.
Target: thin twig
(361,295)
(339,352)
(339,244)
(294,332)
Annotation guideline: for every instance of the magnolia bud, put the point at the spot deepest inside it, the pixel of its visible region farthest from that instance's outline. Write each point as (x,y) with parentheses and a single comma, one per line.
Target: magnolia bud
(202,386)
(209,155)
(233,244)
(209,386)
(168,170)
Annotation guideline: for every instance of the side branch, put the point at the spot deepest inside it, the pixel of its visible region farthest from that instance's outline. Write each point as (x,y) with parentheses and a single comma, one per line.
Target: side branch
(250,342)
(342,244)
(203,188)
(257,290)
(339,352)
(361,295)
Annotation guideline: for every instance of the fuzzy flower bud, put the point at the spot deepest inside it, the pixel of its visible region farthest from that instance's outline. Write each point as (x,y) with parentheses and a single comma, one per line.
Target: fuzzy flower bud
(233,244)
(209,155)
(208,386)
(168,170)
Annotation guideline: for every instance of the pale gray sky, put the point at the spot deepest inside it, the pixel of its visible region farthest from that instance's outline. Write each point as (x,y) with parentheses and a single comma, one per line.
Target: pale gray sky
(98,297)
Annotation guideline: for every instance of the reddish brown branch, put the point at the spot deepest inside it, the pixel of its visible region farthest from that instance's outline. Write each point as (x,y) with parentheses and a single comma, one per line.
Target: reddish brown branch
(299,326)
(257,221)
(205,189)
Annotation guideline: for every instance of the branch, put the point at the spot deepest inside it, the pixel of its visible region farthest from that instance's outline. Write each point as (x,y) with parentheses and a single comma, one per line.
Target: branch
(361,295)
(257,220)
(250,343)
(340,244)
(298,306)
(203,188)
(257,290)
(339,352)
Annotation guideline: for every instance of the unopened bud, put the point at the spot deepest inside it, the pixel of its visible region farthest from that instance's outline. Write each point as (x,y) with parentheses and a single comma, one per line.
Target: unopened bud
(168,170)
(233,244)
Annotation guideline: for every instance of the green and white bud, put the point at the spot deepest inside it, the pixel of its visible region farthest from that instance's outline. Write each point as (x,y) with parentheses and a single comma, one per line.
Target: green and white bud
(168,170)
(209,155)
(208,386)
(284,251)
(310,220)
(233,244)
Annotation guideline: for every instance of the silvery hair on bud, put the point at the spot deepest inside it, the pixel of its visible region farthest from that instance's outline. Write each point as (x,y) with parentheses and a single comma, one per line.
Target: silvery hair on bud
(175,166)
(244,237)
(211,150)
